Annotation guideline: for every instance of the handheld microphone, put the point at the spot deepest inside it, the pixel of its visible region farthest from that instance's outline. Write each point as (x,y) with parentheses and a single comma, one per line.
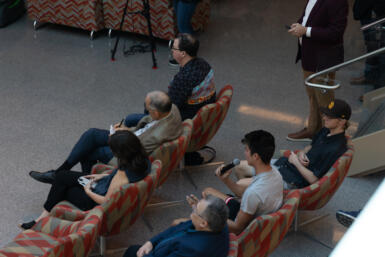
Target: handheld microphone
(231,165)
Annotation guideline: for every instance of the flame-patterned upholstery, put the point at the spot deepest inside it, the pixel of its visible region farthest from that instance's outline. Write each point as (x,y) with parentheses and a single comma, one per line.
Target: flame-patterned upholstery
(56,237)
(84,14)
(171,153)
(124,206)
(162,17)
(265,232)
(316,195)
(209,118)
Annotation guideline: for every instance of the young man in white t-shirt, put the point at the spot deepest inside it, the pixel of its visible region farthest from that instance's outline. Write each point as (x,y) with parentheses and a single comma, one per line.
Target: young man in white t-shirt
(265,192)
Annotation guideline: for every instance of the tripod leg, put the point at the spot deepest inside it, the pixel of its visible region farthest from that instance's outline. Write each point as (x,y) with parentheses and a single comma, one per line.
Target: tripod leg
(147,15)
(119,32)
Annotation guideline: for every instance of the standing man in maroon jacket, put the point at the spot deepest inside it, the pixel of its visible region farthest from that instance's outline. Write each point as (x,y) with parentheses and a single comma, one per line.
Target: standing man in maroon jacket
(320,33)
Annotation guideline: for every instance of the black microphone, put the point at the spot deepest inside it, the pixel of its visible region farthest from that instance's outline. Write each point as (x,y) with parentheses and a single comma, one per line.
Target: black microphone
(231,165)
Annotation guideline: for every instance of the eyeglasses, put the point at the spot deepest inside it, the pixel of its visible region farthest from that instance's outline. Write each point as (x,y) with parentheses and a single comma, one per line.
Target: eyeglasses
(195,211)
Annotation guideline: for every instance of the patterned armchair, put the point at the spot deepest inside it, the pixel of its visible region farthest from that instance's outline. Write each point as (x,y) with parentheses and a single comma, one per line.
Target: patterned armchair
(316,195)
(171,153)
(265,232)
(209,118)
(123,208)
(162,17)
(83,14)
(207,122)
(56,237)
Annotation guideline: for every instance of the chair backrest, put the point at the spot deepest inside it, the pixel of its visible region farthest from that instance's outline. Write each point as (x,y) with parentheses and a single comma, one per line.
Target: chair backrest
(126,205)
(316,195)
(265,232)
(171,153)
(209,118)
(52,236)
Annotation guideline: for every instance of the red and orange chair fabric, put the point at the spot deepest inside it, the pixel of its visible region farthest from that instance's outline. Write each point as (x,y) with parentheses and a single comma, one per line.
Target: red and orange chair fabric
(209,118)
(55,237)
(171,153)
(163,22)
(83,14)
(265,232)
(123,208)
(316,195)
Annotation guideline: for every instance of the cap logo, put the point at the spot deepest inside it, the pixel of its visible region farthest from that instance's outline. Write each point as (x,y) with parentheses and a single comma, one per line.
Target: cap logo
(331,105)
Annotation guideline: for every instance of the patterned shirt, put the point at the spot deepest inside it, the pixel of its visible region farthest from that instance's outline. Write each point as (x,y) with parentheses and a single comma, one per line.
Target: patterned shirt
(181,87)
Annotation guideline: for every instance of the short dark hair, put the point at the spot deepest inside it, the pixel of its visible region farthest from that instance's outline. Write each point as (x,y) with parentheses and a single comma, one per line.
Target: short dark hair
(262,143)
(160,101)
(129,151)
(216,213)
(188,43)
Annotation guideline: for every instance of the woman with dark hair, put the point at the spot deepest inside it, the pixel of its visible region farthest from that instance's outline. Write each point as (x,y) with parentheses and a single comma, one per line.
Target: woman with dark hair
(133,166)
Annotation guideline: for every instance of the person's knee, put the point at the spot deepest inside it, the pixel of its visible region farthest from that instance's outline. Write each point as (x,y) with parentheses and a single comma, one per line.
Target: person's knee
(208,191)
(239,172)
(243,170)
(91,131)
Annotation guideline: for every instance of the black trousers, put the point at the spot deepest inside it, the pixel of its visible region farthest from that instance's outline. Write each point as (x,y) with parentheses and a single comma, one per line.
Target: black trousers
(67,187)
(131,251)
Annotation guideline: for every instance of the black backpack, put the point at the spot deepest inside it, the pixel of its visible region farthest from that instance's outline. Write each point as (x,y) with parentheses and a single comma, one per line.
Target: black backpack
(10,11)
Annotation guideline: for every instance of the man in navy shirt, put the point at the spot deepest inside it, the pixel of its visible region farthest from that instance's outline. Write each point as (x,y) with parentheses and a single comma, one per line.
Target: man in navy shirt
(313,162)
(204,235)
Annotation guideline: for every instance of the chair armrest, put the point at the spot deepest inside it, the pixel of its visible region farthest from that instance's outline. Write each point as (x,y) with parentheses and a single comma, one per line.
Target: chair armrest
(60,228)
(67,211)
(102,168)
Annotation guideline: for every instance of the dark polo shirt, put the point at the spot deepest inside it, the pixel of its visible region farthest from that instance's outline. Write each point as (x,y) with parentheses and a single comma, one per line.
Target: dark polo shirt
(325,150)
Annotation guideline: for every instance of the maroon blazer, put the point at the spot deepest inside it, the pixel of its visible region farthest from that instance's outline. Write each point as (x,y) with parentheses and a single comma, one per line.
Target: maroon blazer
(324,48)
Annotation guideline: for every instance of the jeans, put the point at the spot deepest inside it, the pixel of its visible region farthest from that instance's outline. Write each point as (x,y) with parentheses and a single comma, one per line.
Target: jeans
(91,147)
(132,119)
(184,12)
(374,66)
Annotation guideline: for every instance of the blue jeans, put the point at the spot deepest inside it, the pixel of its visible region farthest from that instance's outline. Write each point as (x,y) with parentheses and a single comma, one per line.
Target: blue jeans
(184,12)
(374,66)
(91,147)
(132,119)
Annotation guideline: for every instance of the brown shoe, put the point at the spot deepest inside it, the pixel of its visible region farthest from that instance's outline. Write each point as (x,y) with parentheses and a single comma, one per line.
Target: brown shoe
(302,135)
(360,81)
(361,98)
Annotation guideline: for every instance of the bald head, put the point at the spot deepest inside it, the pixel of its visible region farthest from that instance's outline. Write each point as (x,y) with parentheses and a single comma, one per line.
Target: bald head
(159,101)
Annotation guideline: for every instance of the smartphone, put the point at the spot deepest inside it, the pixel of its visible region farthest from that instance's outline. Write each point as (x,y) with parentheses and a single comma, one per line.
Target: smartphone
(84,181)
(287,27)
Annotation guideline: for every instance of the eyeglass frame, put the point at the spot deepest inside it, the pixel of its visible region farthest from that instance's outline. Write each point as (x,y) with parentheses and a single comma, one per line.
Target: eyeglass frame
(195,211)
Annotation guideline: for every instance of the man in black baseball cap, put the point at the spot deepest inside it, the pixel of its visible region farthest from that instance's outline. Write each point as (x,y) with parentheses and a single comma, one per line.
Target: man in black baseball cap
(337,109)
(313,162)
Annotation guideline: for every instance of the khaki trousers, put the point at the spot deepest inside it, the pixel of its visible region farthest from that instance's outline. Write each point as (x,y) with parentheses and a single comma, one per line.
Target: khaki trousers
(318,98)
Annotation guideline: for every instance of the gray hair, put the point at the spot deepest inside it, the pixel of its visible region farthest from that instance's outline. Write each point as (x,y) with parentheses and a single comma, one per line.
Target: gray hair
(216,213)
(159,101)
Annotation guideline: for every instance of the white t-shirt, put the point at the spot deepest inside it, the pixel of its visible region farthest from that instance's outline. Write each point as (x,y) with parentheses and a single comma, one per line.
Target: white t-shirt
(264,194)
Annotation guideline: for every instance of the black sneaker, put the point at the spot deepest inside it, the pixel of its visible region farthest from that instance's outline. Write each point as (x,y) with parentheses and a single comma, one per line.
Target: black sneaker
(346,218)
(172,62)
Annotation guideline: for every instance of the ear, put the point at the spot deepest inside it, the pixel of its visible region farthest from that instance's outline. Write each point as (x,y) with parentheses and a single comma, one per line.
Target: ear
(256,156)
(203,224)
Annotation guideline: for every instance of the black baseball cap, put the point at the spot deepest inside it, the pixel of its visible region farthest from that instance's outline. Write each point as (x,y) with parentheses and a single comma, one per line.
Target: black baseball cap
(337,109)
